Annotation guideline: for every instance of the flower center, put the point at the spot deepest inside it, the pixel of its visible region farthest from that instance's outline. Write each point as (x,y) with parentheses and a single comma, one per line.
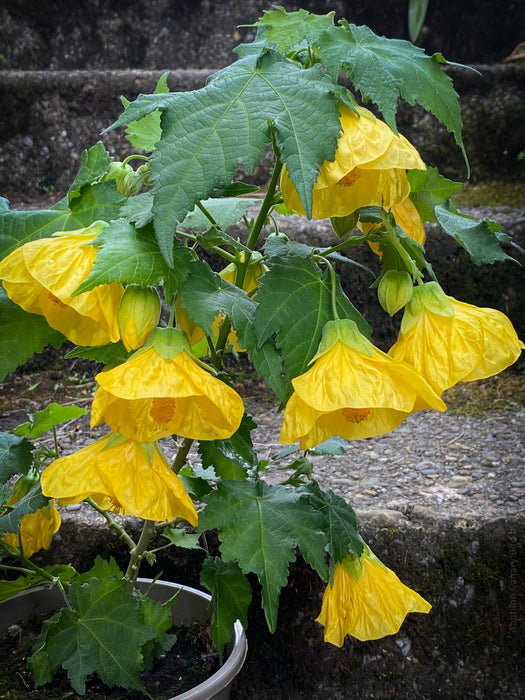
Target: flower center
(350,178)
(116,506)
(162,409)
(355,415)
(56,300)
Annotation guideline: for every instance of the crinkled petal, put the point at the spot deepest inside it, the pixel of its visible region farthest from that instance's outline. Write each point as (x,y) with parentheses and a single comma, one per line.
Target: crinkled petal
(371,607)
(36,530)
(120,477)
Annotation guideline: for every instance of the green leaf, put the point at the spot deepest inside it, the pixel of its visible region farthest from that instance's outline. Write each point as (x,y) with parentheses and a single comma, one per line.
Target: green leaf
(94,164)
(102,568)
(52,415)
(144,133)
(332,447)
(233,458)
(205,294)
(64,572)
(94,202)
(384,70)
(158,616)
(237,111)
(87,638)
(30,503)
(181,538)
(302,467)
(479,238)
(428,189)
(138,209)
(297,283)
(274,523)
(286,30)
(132,256)
(225,212)
(109,355)
(340,521)
(15,456)
(231,597)
(22,335)
(266,359)
(417,10)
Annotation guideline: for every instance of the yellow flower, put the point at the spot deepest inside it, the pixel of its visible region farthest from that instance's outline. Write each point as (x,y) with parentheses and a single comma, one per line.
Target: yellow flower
(163,389)
(353,390)
(448,341)
(369,169)
(41,276)
(138,314)
(366,600)
(36,529)
(120,475)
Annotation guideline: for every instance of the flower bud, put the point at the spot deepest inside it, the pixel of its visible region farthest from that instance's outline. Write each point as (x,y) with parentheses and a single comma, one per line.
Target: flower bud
(395,290)
(139,313)
(118,172)
(344,224)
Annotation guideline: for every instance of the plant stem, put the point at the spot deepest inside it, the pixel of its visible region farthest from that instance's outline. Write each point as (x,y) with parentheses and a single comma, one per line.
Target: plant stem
(182,454)
(112,524)
(137,553)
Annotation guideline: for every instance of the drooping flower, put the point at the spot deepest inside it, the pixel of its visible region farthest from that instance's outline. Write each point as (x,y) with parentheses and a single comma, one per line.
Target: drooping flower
(121,475)
(353,390)
(163,389)
(41,277)
(366,600)
(369,168)
(448,341)
(36,529)
(138,314)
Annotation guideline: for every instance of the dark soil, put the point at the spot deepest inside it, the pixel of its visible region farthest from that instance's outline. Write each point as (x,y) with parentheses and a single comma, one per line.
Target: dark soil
(191,660)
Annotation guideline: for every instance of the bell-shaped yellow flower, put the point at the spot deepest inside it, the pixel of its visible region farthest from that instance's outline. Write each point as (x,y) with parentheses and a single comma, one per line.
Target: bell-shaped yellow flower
(163,389)
(353,390)
(120,475)
(366,600)
(448,341)
(41,276)
(369,168)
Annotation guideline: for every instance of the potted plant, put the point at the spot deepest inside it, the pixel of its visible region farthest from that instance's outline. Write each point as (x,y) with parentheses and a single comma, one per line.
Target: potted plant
(119,267)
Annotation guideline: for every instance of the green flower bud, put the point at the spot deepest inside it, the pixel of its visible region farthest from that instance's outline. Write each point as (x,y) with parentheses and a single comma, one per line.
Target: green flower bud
(395,290)
(139,313)
(344,224)
(118,172)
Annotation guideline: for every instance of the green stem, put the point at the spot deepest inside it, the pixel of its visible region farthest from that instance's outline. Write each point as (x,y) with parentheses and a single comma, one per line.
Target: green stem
(182,454)
(134,156)
(137,553)
(333,281)
(112,524)
(206,213)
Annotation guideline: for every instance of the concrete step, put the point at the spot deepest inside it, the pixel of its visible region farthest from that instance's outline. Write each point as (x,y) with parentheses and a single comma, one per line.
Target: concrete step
(49,117)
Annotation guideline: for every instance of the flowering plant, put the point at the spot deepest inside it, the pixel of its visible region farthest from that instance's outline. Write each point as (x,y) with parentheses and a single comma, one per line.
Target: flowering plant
(119,268)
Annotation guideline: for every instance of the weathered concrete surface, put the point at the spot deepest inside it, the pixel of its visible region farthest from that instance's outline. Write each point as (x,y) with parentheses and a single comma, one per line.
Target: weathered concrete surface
(100,34)
(471,645)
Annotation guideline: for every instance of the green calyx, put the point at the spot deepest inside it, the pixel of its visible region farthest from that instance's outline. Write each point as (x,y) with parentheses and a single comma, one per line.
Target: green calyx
(427,296)
(345,330)
(168,342)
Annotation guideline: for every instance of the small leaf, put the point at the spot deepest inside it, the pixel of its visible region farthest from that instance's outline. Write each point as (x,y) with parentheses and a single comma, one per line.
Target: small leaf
(181,538)
(109,355)
(64,572)
(232,458)
(334,446)
(231,596)
(224,212)
(144,133)
(94,164)
(428,189)
(15,456)
(479,238)
(30,503)
(417,10)
(51,416)
(286,30)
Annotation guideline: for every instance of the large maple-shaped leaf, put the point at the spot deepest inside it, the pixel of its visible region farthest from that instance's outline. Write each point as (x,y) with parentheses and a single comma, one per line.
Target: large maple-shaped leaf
(285,30)
(208,134)
(481,239)
(274,522)
(231,596)
(384,70)
(88,637)
(22,335)
(297,283)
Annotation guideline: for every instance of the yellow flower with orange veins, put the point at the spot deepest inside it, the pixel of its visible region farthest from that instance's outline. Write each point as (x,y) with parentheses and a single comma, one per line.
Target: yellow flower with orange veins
(369,168)
(448,341)
(41,277)
(163,389)
(120,475)
(366,600)
(36,529)
(353,390)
